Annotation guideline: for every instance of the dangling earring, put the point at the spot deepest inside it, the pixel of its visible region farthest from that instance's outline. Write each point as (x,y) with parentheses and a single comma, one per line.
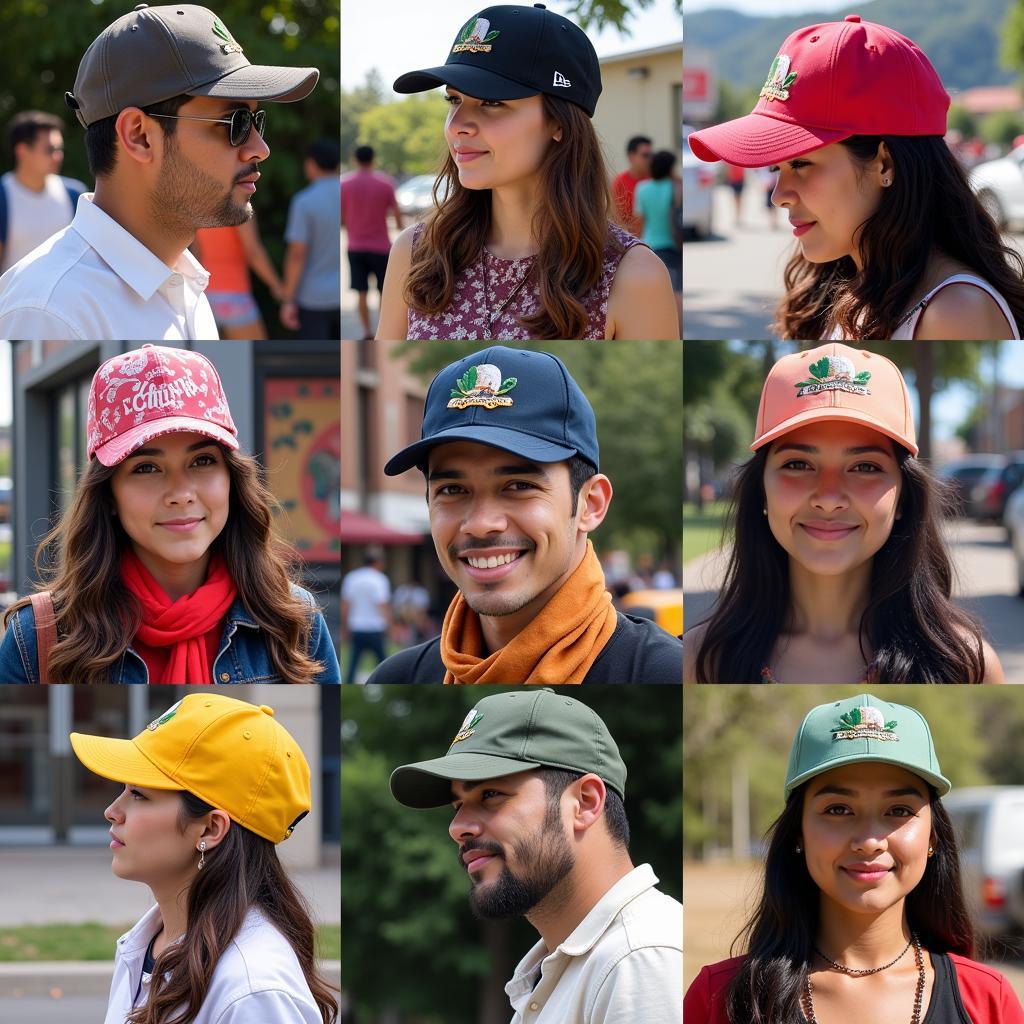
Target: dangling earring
(799,848)
(202,855)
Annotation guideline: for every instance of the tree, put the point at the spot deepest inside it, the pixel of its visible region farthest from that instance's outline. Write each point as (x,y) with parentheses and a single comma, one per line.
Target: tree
(356,102)
(407,135)
(1002,127)
(615,13)
(962,120)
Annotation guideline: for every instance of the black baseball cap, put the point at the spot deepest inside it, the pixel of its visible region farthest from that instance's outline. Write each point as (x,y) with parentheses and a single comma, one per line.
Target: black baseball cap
(521,402)
(510,52)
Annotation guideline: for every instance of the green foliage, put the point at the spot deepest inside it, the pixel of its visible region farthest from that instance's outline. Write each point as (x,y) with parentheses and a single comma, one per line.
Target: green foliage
(355,103)
(600,14)
(962,120)
(407,135)
(1002,127)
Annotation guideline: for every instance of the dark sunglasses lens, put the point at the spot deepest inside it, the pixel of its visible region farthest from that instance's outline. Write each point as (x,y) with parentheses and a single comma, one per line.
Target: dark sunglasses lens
(260,120)
(242,121)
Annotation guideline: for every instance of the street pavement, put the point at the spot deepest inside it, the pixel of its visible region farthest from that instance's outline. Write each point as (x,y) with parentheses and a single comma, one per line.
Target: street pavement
(986,585)
(59,1010)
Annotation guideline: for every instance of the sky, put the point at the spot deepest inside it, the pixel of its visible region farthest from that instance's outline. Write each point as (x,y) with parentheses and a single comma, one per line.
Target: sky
(417,36)
(772,8)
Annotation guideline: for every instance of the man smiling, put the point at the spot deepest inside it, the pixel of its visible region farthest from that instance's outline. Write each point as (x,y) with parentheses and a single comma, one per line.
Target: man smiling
(174,137)
(538,788)
(510,454)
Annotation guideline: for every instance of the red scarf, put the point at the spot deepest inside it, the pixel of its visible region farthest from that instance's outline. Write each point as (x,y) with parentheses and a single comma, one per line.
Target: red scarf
(178,639)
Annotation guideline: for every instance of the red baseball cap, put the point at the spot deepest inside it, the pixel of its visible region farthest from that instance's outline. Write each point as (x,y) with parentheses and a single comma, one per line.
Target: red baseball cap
(829,82)
(835,382)
(155,390)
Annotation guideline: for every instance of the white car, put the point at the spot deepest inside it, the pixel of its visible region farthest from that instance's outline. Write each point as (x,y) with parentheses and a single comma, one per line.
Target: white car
(1013,520)
(999,185)
(698,191)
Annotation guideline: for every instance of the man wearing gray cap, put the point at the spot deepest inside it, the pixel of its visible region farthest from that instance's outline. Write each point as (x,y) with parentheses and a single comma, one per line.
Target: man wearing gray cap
(175,138)
(538,789)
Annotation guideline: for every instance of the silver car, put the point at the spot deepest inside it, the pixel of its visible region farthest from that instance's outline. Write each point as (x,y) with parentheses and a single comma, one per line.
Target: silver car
(999,185)
(698,190)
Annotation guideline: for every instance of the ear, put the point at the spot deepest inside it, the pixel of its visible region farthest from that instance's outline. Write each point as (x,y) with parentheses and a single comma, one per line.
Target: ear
(136,132)
(218,824)
(883,165)
(592,504)
(589,795)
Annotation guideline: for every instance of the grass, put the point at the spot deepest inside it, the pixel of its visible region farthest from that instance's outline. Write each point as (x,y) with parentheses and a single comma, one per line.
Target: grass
(366,665)
(702,532)
(33,943)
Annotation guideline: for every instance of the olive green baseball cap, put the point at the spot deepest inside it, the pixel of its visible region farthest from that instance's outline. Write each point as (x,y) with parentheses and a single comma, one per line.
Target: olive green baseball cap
(863,728)
(507,733)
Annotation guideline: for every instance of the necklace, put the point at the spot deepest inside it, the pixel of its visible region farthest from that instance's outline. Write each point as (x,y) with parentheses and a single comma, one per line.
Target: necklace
(915,1018)
(860,971)
(496,315)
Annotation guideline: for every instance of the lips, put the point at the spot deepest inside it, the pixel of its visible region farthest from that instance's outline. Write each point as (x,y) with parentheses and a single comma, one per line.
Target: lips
(463,156)
(801,227)
(488,565)
(827,529)
(181,525)
(862,872)
(115,843)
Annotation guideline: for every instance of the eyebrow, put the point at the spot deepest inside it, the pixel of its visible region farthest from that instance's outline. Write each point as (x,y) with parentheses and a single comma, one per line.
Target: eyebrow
(518,469)
(888,794)
(142,452)
(811,449)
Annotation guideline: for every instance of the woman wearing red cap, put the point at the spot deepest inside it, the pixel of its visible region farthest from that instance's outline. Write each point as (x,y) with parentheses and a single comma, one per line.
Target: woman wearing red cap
(893,243)
(210,788)
(839,570)
(521,245)
(166,569)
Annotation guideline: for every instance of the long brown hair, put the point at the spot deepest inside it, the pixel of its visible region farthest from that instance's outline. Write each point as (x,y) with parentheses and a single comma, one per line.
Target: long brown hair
(243,872)
(97,617)
(570,224)
(930,206)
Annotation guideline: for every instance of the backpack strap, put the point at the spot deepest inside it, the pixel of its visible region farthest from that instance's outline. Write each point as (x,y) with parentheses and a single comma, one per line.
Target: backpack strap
(46,631)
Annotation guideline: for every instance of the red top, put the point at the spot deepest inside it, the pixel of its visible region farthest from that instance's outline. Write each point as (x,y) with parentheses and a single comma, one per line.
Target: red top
(366,198)
(624,190)
(221,253)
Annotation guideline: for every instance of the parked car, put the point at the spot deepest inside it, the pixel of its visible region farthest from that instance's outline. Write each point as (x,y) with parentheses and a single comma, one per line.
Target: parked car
(1013,520)
(994,487)
(989,821)
(415,196)
(698,190)
(665,607)
(999,185)
(965,472)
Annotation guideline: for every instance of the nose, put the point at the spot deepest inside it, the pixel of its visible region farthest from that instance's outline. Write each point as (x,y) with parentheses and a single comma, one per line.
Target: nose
(113,813)
(872,842)
(463,826)
(829,494)
(484,516)
(782,194)
(254,148)
(180,489)
(460,121)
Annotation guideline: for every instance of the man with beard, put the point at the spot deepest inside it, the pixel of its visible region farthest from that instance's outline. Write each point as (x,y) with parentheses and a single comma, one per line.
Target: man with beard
(538,787)
(174,138)
(510,455)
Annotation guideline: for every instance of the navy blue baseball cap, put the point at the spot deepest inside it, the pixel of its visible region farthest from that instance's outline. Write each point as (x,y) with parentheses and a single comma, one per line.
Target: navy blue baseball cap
(509,52)
(521,402)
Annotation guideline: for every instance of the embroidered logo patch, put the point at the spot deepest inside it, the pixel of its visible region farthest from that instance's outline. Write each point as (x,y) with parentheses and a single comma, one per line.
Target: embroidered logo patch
(482,385)
(467,727)
(865,724)
(780,78)
(165,717)
(561,80)
(834,373)
(228,45)
(475,37)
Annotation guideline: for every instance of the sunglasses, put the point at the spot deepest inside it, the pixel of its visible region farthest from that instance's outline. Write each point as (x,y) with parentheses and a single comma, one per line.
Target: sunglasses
(242,122)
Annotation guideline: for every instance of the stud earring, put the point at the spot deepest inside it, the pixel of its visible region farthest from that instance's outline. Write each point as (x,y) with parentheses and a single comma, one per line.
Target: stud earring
(764,511)
(931,852)
(202,855)
(887,181)
(799,848)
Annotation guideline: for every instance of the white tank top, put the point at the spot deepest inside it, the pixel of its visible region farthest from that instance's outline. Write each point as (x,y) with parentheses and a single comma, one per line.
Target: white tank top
(908,325)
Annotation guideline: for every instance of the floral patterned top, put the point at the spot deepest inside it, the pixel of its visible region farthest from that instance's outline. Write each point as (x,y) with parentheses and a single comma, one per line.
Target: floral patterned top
(492,294)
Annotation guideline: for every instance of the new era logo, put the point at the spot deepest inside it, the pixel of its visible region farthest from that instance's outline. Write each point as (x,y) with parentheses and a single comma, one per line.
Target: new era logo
(561,80)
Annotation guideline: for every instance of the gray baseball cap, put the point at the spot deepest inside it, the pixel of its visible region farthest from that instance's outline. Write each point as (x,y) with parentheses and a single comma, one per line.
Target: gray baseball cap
(155,53)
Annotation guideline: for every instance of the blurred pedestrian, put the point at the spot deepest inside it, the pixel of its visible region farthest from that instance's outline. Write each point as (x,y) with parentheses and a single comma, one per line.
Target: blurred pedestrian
(853,116)
(367,197)
(311,302)
(366,611)
(410,603)
(639,150)
(736,179)
(35,200)
(655,206)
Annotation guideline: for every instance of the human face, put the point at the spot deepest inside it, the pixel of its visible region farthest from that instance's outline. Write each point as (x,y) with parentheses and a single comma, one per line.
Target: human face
(147,843)
(832,490)
(203,179)
(488,504)
(172,499)
(497,142)
(866,829)
(512,842)
(828,197)
(45,155)
(640,160)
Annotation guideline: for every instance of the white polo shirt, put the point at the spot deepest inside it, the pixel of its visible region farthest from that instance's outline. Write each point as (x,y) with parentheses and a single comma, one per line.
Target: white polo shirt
(95,281)
(622,964)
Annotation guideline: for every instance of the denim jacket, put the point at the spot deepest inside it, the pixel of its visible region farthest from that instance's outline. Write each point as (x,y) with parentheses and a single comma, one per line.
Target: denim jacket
(242,654)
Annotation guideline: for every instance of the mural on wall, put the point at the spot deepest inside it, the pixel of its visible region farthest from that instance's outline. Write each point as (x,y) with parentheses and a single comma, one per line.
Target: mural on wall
(302,430)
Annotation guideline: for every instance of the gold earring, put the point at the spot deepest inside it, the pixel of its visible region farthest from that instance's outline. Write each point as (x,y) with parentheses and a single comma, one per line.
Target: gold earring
(931,852)
(202,855)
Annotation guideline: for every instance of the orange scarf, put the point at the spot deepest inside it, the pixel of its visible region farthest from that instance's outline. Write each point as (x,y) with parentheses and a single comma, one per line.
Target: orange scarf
(558,646)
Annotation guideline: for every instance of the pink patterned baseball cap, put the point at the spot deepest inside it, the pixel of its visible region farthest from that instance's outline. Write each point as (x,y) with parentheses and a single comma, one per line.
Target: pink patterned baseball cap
(151,391)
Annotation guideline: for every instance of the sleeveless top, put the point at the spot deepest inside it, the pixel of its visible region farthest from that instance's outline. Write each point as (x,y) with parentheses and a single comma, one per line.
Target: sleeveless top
(870,675)
(488,282)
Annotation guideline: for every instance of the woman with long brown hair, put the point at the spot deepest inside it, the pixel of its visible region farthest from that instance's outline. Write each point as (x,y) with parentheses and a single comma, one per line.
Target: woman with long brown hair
(521,245)
(165,568)
(210,788)
(892,241)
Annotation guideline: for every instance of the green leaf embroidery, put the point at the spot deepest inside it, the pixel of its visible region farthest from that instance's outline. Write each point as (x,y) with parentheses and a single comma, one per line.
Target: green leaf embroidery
(804,383)
(471,377)
(863,377)
(467,30)
(491,36)
(771,70)
(507,385)
(790,79)
(891,725)
(820,368)
(221,32)
(855,716)
(456,393)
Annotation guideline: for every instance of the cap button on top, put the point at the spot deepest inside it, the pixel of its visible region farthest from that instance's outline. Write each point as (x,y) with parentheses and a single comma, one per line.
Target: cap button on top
(852,17)
(267,710)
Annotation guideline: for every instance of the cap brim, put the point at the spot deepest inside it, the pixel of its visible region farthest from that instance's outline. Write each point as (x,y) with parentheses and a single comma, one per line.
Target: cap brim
(831,413)
(525,445)
(428,783)
(120,761)
(119,448)
(479,83)
(262,82)
(940,782)
(757,140)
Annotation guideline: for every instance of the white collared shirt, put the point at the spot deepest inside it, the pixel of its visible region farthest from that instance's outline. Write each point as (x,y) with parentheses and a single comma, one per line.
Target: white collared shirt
(622,964)
(258,977)
(97,282)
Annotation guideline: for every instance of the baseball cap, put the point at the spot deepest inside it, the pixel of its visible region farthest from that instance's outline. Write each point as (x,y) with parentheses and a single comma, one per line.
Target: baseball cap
(863,728)
(829,82)
(835,382)
(234,755)
(151,391)
(514,732)
(510,52)
(522,402)
(155,53)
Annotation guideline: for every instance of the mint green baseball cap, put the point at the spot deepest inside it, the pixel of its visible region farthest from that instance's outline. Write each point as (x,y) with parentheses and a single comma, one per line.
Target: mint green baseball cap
(863,728)
(514,732)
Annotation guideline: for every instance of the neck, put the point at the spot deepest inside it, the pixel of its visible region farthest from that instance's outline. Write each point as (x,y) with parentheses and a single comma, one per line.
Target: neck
(512,209)
(34,182)
(862,941)
(828,608)
(166,239)
(176,580)
(173,903)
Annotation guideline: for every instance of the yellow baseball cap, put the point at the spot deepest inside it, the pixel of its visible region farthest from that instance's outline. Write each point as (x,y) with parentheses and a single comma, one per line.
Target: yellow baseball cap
(232,754)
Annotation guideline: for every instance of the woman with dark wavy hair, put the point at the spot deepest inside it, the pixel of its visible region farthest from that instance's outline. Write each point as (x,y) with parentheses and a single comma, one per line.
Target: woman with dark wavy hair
(165,568)
(521,245)
(839,571)
(862,914)
(893,243)
(211,787)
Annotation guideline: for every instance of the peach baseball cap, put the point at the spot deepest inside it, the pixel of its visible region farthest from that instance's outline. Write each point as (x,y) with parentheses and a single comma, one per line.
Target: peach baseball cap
(835,382)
